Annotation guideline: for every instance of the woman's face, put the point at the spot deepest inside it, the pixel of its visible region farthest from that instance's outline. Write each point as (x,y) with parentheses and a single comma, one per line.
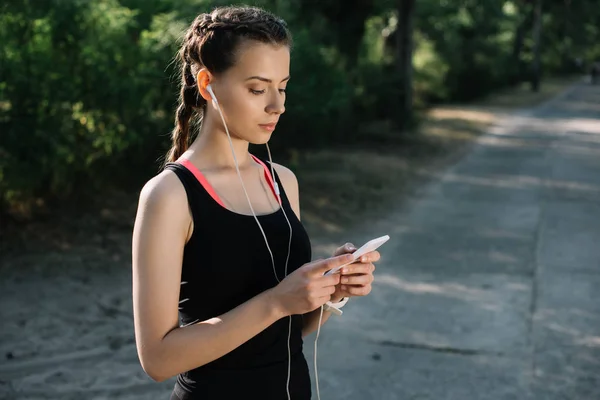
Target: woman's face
(251,94)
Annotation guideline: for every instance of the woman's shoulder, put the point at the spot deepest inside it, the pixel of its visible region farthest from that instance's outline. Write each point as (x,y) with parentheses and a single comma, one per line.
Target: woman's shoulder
(288,179)
(285,174)
(290,185)
(163,191)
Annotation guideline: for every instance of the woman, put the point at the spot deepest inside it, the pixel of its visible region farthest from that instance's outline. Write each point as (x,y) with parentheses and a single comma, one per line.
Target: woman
(223,284)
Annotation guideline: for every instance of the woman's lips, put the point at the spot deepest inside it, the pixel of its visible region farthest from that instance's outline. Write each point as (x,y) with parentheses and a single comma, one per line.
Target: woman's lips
(268,127)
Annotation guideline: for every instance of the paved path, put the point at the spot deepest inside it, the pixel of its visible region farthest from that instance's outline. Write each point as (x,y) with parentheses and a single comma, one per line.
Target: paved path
(488,289)
(491,287)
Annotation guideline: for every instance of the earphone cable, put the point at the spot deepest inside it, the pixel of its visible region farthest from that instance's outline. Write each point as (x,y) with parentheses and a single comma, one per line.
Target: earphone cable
(246,193)
(276,187)
(315,357)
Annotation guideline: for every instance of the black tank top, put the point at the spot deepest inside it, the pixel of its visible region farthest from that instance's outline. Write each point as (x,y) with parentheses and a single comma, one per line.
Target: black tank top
(226,263)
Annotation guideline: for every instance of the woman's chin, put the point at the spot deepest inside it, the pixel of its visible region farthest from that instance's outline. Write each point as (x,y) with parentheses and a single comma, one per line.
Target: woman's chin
(261,139)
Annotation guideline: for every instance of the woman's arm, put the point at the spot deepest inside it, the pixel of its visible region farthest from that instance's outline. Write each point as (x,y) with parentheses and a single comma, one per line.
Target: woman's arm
(161,229)
(311,321)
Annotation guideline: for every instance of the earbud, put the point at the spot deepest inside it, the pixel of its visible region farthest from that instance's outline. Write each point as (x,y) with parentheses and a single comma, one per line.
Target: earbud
(212,94)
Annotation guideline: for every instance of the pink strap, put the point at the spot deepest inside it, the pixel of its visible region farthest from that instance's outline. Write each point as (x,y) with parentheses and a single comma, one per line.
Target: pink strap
(196,172)
(268,177)
(192,168)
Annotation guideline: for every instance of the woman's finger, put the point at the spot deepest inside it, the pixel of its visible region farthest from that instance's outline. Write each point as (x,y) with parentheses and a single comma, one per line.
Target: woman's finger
(358,268)
(357,290)
(326,291)
(366,279)
(372,256)
(327,280)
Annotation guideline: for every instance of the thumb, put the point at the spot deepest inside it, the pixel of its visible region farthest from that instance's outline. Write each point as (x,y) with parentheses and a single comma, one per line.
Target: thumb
(347,248)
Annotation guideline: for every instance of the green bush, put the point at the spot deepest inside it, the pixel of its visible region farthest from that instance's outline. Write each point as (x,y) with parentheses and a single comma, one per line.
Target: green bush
(88,89)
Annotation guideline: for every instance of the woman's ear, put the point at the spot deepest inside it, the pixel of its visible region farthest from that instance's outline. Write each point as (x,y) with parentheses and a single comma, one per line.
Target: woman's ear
(203,78)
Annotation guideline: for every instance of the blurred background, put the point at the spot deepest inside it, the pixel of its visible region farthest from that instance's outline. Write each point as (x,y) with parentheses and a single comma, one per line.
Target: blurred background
(385,96)
(88,87)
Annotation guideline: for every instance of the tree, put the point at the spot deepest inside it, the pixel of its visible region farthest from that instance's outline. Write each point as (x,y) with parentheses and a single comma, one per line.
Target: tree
(537,36)
(524,22)
(404,53)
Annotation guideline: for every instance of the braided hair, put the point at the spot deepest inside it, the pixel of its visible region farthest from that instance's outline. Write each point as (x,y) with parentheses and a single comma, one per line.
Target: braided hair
(211,42)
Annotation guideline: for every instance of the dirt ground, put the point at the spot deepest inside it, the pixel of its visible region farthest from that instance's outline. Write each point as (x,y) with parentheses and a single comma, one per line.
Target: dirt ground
(65,279)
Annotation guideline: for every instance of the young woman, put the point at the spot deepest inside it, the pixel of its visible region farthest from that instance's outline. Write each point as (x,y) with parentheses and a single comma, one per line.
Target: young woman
(223,284)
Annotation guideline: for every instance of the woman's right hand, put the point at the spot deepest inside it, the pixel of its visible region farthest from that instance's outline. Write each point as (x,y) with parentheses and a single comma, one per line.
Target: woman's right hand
(306,289)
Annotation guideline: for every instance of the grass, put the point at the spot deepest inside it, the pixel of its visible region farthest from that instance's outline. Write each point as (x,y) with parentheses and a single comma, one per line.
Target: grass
(521,96)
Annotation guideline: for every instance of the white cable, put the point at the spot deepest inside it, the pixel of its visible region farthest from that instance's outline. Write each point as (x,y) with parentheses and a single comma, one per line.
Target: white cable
(276,188)
(289,371)
(237,168)
(315,357)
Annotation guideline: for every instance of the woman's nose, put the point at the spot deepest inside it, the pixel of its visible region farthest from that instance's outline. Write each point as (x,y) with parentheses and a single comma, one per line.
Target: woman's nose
(277,104)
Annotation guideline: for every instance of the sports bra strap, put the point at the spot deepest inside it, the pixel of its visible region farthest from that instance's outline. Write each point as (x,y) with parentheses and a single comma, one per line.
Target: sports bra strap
(211,191)
(269,178)
(207,186)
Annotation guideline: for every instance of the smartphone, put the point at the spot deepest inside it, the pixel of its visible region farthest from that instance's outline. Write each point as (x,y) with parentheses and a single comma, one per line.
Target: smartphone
(371,245)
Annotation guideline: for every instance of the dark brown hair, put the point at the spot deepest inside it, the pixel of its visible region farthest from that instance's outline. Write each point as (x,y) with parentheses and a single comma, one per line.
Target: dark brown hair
(211,42)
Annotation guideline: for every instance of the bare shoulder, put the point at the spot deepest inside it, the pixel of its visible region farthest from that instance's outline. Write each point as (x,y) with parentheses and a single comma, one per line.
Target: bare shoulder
(290,185)
(164,191)
(164,206)
(287,176)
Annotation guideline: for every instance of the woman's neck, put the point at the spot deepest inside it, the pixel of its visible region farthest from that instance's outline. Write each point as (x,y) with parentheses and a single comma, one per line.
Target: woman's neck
(211,150)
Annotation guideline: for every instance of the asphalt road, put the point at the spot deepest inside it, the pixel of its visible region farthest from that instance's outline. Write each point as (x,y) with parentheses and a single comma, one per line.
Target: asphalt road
(489,286)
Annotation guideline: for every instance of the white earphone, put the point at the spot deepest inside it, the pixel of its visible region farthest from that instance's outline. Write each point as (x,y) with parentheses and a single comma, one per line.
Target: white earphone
(276,188)
(212,94)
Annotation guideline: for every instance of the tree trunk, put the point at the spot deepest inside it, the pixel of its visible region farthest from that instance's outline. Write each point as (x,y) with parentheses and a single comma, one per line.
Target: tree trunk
(567,55)
(537,36)
(404,43)
(526,17)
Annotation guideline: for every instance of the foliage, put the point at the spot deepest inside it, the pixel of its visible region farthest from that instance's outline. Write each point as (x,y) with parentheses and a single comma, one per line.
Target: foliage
(87,89)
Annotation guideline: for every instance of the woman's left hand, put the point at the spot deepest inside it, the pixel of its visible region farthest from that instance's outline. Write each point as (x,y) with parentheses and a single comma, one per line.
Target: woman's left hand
(356,278)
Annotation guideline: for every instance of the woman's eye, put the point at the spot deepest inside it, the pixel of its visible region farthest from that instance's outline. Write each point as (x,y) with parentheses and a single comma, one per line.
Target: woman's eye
(257,92)
(281,90)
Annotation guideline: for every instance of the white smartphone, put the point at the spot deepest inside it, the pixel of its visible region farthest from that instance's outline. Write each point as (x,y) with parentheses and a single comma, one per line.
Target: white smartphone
(371,245)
